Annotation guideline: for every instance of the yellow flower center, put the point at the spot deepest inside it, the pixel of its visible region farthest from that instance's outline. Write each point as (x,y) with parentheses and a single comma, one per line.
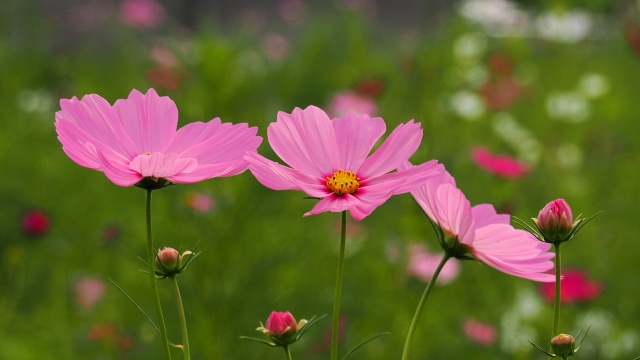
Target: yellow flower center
(343,182)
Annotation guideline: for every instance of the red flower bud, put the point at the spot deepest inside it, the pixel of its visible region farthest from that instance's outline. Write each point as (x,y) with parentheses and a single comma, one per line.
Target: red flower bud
(563,345)
(555,221)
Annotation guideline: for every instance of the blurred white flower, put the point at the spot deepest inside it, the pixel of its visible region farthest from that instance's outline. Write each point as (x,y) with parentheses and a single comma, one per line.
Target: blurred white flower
(522,139)
(593,85)
(35,101)
(569,156)
(570,106)
(567,27)
(470,47)
(467,105)
(497,17)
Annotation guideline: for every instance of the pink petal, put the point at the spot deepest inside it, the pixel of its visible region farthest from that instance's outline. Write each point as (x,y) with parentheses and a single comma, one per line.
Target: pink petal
(95,119)
(215,142)
(393,152)
(278,177)
(356,136)
(306,141)
(418,175)
(149,120)
(118,171)
(485,214)
(334,204)
(159,165)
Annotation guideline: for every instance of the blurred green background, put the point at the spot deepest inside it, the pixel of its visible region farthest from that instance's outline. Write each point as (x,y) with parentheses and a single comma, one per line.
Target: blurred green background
(568,109)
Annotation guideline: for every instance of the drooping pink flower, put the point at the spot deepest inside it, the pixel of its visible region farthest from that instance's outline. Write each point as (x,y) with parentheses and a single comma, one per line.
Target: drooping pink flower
(347,102)
(88,291)
(423,264)
(499,165)
(481,333)
(481,232)
(329,160)
(136,139)
(35,222)
(576,287)
(142,13)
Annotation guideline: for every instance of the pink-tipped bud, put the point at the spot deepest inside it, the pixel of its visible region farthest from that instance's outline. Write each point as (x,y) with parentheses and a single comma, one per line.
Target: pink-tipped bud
(282,328)
(169,257)
(280,323)
(555,221)
(563,345)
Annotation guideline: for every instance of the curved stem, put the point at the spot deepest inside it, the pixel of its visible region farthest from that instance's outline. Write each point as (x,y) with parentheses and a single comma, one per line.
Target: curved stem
(151,255)
(287,353)
(556,301)
(423,301)
(338,291)
(183,319)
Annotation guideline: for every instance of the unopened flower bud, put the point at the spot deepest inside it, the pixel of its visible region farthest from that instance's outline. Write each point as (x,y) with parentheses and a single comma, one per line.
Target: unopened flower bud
(282,327)
(563,345)
(169,257)
(555,221)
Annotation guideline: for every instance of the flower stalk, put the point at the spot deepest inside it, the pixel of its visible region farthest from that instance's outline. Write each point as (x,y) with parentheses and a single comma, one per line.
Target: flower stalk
(556,301)
(151,254)
(421,304)
(338,290)
(183,319)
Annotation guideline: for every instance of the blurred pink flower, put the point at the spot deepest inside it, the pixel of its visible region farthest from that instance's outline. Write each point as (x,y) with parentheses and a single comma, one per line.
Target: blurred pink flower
(136,139)
(350,102)
(292,11)
(142,13)
(164,77)
(109,333)
(200,202)
(88,291)
(481,232)
(276,46)
(481,333)
(329,160)
(576,287)
(35,223)
(423,264)
(499,165)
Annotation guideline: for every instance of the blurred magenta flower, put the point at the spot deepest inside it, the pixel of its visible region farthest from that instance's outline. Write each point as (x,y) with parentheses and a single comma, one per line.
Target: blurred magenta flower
(199,202)
(275,46)
(576,287)
(88,291)
(499,165)
(347,102)
(555,221)
(481,333)
(329,160)
(142,13)
(136,139)
(423,264)
(481,232)
(35,223)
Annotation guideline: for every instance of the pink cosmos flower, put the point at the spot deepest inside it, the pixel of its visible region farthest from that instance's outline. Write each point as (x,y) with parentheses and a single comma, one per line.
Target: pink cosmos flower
(88,291)
(347,102)
(329,161)
(481,333)
(555,221)
(481,232)
(577,287)
(142,13)
(423,264)
(136,139)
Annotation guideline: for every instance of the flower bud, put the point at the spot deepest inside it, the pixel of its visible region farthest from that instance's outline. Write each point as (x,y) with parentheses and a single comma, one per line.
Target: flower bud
(282,327)
(169,257)
(169,262)
(555,221)
(563,345)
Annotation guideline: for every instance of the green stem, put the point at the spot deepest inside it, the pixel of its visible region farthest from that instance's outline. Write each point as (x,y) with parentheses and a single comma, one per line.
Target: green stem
(183,319)
(338,291)
(151,260)
(423,301)
(556,302)
(287,353)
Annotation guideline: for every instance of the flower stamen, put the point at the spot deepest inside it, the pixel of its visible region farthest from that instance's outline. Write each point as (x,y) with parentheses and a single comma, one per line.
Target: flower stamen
(343,182)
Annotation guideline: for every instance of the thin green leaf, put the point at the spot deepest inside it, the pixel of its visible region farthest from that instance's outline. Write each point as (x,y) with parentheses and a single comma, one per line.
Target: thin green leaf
(135,304)
(363,343)
(258,340)
(541,349)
